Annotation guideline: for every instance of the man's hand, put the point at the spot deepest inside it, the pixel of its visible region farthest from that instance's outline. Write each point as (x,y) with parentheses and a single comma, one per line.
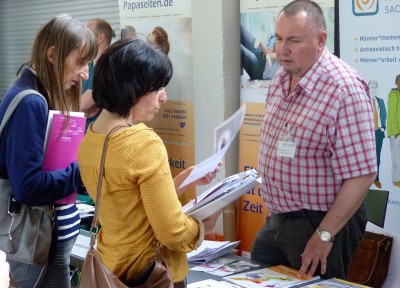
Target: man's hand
(87,104)
(210,222)
(316,252)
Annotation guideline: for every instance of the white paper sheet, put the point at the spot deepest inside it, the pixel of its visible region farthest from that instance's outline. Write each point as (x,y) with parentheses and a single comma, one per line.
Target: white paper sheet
(223,137)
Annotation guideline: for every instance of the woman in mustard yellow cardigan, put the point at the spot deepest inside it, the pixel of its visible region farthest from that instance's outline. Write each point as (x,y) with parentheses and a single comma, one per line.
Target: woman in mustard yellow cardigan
(139,200)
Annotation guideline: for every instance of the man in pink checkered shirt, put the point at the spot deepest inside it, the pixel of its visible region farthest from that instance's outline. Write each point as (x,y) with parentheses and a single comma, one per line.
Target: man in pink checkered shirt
(317,155)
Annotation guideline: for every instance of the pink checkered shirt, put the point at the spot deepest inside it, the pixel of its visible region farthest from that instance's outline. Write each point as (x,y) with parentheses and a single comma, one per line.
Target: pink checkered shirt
(330,115)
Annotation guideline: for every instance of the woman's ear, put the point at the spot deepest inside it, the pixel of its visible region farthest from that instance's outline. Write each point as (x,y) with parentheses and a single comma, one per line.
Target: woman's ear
(51,54)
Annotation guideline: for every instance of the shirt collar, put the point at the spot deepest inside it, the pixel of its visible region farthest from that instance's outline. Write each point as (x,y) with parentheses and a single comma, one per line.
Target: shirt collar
(309,80)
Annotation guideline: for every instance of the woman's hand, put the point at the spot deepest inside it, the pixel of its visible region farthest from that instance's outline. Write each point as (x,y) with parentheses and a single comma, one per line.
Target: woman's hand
(178,180)
(208,178)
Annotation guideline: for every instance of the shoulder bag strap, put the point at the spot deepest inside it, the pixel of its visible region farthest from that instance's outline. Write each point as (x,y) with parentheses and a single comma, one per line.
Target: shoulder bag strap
(7,115)
(95,222)
(14,103)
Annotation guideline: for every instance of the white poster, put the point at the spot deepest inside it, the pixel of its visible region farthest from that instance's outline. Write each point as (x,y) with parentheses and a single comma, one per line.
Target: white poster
(370,42)
(167,25)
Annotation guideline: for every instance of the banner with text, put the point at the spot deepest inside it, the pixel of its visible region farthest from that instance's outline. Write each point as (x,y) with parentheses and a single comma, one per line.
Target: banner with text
(167,24)
(372,47)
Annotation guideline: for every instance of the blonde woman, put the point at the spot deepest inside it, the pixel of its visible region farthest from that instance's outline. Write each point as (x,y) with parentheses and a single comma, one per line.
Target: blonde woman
(59,62)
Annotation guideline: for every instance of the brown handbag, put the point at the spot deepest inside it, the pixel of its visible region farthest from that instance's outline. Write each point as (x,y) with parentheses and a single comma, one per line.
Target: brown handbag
(370,262)
(96,275)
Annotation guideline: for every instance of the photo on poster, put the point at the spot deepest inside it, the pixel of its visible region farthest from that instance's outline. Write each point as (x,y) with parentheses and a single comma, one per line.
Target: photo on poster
(259,63)
(257,49)
(174,37)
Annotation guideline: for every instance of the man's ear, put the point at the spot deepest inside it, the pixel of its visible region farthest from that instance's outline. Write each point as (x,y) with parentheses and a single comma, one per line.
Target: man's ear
(51,54)
(101,37)
(322,38)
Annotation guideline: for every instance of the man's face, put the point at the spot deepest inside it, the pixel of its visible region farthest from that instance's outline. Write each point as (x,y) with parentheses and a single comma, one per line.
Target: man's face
(92,26)
(298,46)
(373,88)
(398,83)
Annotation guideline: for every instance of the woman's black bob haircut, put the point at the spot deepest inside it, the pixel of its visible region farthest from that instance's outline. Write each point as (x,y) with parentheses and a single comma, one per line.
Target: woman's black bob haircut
(128,70)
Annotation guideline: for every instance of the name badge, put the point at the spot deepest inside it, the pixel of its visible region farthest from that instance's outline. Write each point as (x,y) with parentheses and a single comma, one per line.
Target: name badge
(286,149)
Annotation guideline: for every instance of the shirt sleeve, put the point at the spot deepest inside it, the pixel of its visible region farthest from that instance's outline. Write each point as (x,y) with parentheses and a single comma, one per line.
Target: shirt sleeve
(393,113)
(353,136)
(171,226)
(24,158)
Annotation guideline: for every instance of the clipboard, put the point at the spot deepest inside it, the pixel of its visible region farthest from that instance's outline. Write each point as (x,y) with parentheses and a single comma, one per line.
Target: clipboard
(222,194)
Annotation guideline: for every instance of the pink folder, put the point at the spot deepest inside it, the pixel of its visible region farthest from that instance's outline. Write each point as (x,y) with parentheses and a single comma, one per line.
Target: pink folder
(62,145)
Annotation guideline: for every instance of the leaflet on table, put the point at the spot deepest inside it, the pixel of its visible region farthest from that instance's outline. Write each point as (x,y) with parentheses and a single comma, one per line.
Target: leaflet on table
(276,276)
(222,194)
(210,250)
(221,145)
(213,265)
(331,283)
(62,143)
(224,266)
(207,283)
(233,268)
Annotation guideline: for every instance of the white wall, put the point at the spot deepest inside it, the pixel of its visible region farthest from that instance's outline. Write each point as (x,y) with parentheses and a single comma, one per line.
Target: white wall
(216,73)
(20,20)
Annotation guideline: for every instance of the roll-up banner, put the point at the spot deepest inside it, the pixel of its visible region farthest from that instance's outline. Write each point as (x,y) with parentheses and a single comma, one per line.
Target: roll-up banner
(171,19)
(372,47)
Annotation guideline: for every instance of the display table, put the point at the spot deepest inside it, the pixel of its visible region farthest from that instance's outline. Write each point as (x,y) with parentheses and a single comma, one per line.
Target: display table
(82,245)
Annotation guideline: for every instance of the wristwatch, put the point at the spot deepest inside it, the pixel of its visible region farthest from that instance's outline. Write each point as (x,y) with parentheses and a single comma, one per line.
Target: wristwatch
(325,236)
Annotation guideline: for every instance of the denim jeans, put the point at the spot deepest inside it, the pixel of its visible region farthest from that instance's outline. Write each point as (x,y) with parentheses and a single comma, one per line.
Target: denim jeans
(55,275)
(27,276)
(58,271)
(250,57)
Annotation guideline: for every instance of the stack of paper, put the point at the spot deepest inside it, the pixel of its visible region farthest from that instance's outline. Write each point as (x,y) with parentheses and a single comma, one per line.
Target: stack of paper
(210,250)
(225,266)
(222,194)
(331,283)
(85,210)
(211,283)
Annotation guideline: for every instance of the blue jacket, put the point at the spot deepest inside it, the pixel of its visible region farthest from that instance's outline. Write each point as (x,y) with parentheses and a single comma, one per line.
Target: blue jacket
(22,151)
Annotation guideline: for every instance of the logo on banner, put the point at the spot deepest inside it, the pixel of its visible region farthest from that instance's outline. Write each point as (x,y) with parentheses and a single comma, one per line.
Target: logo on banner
(365,7)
